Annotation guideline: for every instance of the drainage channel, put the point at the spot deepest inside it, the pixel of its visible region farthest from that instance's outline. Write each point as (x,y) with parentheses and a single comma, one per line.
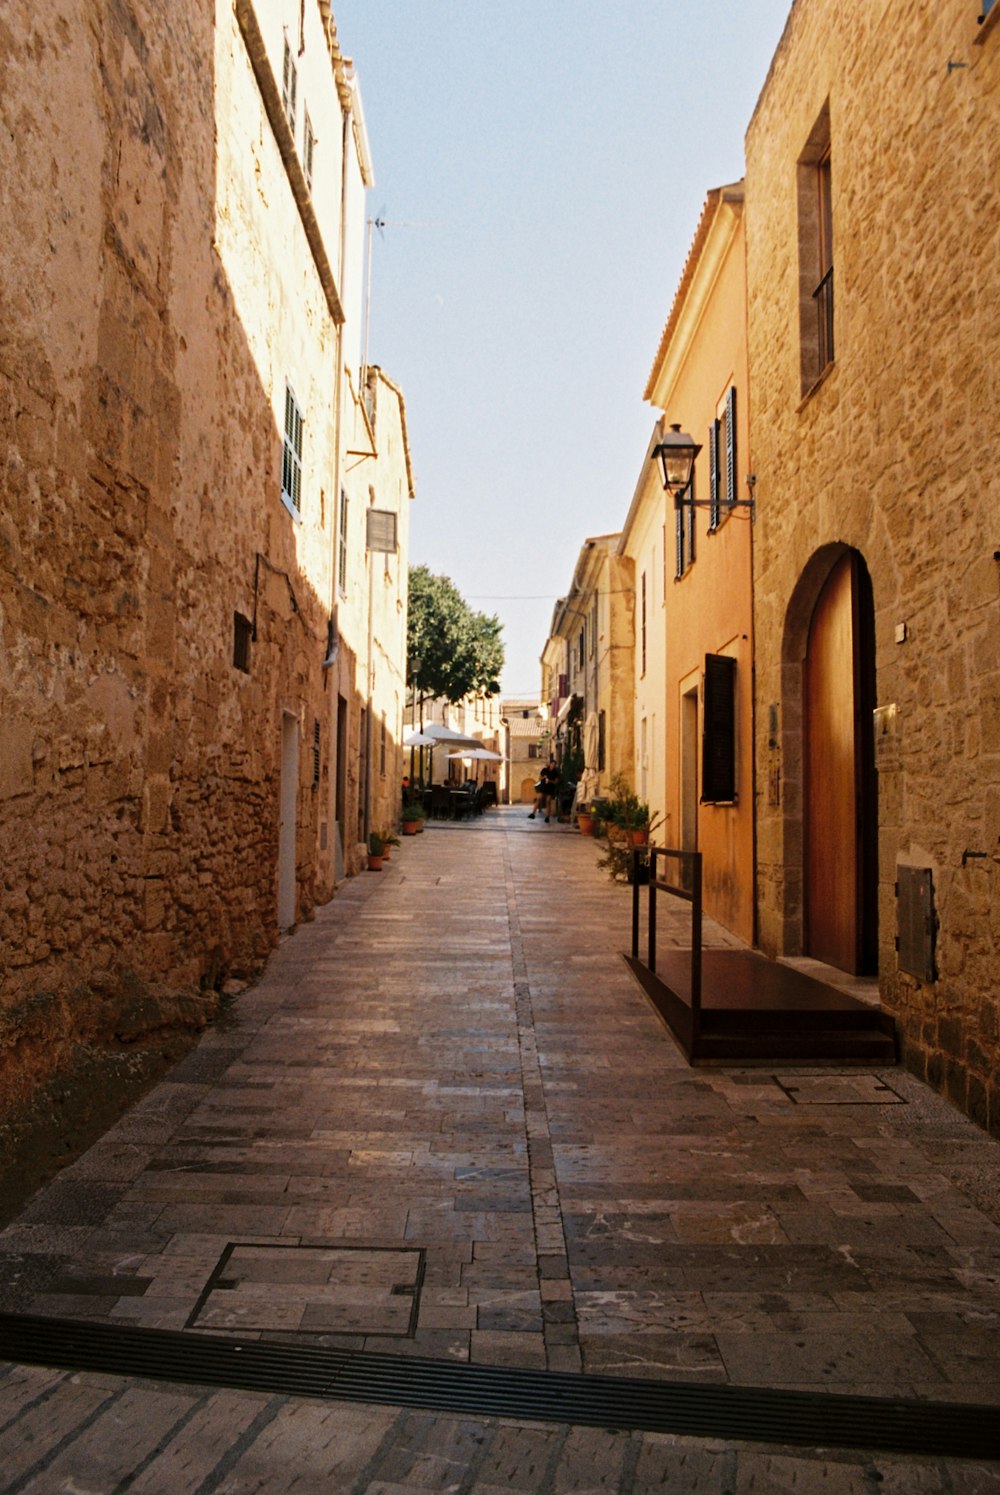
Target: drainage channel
(733,1413)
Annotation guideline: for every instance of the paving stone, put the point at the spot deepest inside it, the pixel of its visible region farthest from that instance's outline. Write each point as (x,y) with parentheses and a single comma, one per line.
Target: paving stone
(505,1100)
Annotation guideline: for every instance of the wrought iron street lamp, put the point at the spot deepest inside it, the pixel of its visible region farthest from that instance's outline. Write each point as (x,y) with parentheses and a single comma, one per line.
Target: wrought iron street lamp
(676,454)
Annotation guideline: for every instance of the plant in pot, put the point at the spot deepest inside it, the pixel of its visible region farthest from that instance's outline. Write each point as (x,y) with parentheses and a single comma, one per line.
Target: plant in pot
(412,820)
(376,849)
(586,819)
(389,840)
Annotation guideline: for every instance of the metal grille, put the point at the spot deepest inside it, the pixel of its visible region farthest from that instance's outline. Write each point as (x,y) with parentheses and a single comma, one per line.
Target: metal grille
(812,1419)
(916,924)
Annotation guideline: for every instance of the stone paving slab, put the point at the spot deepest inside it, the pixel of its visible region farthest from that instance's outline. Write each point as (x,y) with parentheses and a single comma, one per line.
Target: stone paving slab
(453,1058)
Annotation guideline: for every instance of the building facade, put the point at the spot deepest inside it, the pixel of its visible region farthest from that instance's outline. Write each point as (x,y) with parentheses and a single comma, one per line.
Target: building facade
(183,692)
(526,735)
(875,548)
(696,689)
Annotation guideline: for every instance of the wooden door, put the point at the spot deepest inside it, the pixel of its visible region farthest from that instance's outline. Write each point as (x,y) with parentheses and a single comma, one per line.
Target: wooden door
(834,775)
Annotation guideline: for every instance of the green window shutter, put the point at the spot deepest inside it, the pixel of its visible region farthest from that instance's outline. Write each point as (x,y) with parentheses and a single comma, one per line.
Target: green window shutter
(718,758)
(713,475)
(731,445)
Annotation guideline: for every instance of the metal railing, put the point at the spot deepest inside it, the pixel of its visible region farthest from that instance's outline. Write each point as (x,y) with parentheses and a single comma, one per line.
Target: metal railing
(688,887)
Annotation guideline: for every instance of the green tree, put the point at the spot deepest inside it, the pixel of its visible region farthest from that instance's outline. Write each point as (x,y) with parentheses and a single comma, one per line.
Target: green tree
(460,651)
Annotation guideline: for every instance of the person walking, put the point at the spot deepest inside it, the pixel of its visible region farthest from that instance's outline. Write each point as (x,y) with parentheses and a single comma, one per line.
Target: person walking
(547,787)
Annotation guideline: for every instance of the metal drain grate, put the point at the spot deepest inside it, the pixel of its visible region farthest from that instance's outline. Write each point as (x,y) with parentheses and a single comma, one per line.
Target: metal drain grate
(750,1414)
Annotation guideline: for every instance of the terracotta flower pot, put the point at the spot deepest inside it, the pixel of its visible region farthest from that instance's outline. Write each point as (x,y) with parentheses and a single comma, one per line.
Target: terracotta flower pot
(374,863)
(586,824)
(638,836)
(412,827)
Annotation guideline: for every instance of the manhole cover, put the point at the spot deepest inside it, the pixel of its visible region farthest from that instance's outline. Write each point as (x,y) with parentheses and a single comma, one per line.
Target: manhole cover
(312,1290)
(838,1090)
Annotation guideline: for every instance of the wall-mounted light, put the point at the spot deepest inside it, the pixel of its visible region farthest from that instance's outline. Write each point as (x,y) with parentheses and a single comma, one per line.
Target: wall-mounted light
(676,455)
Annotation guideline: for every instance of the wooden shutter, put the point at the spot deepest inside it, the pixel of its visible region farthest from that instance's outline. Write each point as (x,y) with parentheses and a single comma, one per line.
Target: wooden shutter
(718,762)
(713,475)
(731,445)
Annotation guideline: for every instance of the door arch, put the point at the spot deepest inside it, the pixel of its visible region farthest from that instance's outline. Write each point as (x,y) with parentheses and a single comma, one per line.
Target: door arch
(839,807)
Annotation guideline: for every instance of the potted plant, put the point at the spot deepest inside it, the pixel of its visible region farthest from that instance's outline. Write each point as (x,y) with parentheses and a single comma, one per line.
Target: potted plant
(412,820)
(630,822)
(586,820)
(376,848)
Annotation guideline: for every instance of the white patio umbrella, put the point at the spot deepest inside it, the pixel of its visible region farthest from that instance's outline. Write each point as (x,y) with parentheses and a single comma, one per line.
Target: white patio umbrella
(443,736)
(419,739)
(480,755)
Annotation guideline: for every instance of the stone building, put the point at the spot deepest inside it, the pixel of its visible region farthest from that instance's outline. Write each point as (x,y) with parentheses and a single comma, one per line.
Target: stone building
(592,633)
(185,687)
(873,231)
(526,735)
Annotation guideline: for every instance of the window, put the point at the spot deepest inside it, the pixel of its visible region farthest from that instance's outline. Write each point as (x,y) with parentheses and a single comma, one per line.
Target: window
(684,520)
(291,456)
(582,646)
(642,624)
(242,636)
(289,86)
(602,741)
(308,150)
(532,749)
(381,747)
(342,544)
(718,756)
(381,531)
(316,753)
(815,203)
(722,460)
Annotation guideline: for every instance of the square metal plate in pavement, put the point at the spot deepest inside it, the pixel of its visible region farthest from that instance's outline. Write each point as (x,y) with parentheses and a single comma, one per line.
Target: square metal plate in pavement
(838,1090)
(312,1290)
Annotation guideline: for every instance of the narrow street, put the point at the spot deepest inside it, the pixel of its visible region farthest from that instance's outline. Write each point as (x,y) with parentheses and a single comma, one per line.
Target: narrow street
(446,1124)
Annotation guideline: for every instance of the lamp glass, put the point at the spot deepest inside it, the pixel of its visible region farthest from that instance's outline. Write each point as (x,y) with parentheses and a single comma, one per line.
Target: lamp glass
(677,452)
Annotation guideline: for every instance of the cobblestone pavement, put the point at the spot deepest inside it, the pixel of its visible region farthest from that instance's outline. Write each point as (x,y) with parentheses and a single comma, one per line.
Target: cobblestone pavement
(446,1123)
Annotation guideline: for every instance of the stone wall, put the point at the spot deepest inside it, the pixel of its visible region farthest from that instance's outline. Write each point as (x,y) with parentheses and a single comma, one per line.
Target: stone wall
(140,441)
(893,454)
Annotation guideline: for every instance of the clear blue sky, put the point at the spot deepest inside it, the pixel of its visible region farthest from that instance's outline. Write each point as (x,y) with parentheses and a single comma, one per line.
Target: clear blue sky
(541,166)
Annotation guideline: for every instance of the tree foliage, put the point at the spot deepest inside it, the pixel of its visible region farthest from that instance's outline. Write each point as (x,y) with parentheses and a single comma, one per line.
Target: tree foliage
(460,651)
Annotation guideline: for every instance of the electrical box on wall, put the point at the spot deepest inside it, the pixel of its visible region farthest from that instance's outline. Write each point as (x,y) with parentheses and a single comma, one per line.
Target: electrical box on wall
(916,922)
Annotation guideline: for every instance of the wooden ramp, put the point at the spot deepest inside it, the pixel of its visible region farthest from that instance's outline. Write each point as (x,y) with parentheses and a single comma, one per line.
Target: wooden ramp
(735,1005)
(757,1009)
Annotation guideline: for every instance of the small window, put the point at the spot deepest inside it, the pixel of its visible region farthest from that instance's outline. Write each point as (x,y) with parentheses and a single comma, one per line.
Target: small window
(642,625)
(242,637)
(718,761)
(532,749)
(291,456)
(308,150)
(342,544)
(684,521)
(381,532)
(815,205)
(316,754)
(602,742)
(289,86)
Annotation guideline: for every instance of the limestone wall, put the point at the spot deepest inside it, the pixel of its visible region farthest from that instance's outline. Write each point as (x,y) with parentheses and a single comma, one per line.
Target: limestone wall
(146,336)
(894,453)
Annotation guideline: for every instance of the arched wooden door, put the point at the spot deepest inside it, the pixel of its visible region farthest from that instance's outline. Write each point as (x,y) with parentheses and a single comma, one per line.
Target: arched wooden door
(840,822)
